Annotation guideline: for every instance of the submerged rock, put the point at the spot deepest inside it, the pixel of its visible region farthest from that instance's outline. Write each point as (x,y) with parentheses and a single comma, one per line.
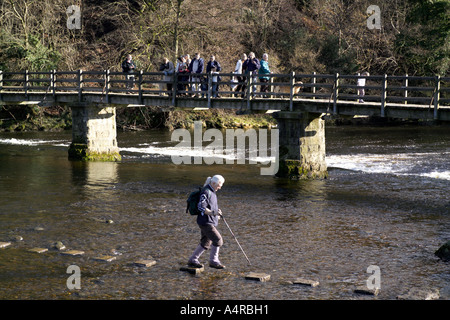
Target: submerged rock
(444,251)
(58,245)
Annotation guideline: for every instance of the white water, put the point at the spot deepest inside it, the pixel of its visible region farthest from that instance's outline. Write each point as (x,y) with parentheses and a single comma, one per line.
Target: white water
(413,163)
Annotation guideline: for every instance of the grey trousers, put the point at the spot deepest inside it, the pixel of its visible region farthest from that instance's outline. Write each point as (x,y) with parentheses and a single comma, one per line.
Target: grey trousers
(210,235)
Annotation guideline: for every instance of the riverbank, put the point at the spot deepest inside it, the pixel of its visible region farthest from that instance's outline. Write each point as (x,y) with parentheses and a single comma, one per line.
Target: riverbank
(33,118)
(57,118)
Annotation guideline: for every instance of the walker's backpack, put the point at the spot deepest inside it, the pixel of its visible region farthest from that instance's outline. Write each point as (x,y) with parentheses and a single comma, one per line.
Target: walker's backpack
(192,202)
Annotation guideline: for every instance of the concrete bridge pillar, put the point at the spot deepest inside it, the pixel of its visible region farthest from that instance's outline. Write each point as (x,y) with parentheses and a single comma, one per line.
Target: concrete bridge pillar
(94,135)
(302,145)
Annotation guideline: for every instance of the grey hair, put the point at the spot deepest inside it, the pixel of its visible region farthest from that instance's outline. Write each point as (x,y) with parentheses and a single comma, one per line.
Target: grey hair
(216,179)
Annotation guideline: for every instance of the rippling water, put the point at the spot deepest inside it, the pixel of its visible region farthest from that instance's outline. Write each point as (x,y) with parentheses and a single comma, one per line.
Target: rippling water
(385,203)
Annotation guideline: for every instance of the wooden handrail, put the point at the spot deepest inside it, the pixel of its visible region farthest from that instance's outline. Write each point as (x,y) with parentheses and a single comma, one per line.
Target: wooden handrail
(432,91)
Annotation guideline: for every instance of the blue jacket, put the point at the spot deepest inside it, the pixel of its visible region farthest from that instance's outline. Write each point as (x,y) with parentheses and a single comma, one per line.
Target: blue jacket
(264,70)
(208,199)
(199,67)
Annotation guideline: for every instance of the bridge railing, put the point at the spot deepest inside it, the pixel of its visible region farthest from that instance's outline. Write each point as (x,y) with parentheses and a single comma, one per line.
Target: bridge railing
(333,88)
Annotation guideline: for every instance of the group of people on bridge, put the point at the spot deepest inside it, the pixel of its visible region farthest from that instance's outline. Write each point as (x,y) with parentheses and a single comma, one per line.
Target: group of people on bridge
(190,74)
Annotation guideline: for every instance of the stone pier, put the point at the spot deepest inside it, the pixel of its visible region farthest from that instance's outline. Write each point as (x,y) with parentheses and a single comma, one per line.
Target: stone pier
(94,135)
(302,145)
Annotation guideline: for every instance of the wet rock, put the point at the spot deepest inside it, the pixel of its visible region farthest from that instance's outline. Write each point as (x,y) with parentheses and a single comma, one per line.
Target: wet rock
(367,291)
(58,245)
(306,282)
(105,258)
(444,251)
(420,294)
(4,244)
(114,252)
(145,263)
(262,277)
(73,253)
(16,238)
(38,250)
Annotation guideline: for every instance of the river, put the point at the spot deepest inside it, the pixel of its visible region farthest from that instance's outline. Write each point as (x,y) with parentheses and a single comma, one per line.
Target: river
(385,204)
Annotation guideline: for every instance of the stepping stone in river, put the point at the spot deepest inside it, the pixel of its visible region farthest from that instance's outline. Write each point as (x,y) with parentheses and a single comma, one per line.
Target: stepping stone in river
(306,282)
(4,244)
(193,270)
(105,258)
(145,263)
(262,277)
(73,253)
(367,291)
(38,250)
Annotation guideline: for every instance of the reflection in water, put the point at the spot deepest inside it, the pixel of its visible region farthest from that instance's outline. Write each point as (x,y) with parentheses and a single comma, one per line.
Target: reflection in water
(94,175)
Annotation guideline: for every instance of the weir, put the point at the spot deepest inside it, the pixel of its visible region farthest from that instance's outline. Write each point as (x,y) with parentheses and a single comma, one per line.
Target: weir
(297,101)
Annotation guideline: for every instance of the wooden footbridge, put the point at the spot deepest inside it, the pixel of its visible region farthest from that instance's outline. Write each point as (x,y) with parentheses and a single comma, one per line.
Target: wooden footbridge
(298,102)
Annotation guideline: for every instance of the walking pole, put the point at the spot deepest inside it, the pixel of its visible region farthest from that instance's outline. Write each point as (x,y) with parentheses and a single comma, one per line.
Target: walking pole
(235,239)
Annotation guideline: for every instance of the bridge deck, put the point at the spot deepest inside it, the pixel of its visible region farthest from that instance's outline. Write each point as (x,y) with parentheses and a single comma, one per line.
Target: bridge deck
(405,97)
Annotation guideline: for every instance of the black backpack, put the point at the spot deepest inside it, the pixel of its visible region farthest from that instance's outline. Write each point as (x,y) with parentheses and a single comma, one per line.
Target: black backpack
(192,202)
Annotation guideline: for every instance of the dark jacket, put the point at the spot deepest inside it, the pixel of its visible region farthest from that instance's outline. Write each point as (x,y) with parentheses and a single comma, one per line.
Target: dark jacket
(208,199)
(200,66)
(251,66)
(127,66)
(214,64)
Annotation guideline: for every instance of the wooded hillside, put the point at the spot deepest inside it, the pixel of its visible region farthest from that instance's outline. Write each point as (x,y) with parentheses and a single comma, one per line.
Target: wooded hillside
(325,36)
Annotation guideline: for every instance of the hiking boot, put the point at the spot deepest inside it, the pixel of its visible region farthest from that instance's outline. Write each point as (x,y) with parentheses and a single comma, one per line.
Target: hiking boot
(195,264)
(217,265)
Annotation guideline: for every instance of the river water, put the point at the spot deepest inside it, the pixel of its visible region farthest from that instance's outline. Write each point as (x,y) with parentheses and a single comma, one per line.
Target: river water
(385,204)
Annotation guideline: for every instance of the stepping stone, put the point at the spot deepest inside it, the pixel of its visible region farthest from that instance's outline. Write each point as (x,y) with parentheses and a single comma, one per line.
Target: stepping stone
(262,277)
(105,258)
(38,250)
(4,244)
(365,290)
(145,263)
(193,270)
(306,282)
(73,253)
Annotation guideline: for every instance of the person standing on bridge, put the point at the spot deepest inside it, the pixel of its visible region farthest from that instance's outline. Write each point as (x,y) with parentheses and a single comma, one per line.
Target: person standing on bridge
(129,67)
(207,220)
(361,83)
(168,69)
(240,78)
(196,68)
(251,67)
(263,71)
(214,67)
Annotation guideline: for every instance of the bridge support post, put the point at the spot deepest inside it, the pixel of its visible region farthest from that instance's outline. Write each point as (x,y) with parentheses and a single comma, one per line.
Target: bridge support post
(94,136)
(302,145)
